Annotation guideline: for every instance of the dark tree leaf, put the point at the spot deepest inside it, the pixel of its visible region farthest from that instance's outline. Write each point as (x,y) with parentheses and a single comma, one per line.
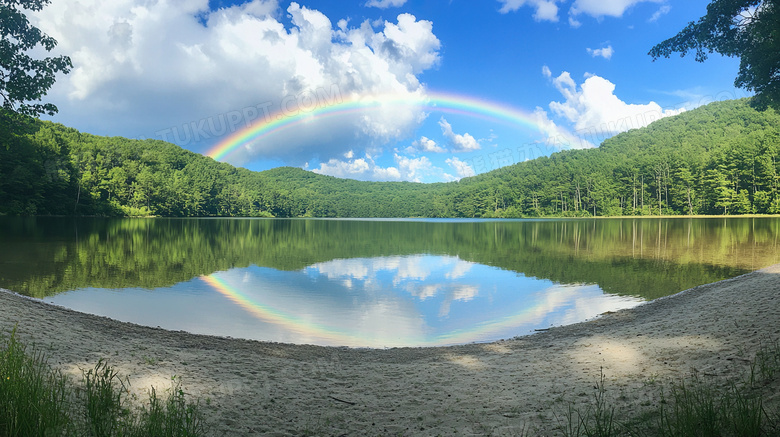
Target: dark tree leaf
(25,80)
(748,29)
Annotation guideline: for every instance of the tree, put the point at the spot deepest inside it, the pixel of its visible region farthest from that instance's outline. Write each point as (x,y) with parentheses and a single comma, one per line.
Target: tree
(24,80)
(748,29)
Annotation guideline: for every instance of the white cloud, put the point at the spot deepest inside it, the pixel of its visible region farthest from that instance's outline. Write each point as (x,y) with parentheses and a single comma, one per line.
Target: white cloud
(594,109)
(143,67)
(414,169)
(459,142)
(405,169)
(665,9)
(423,292)
(557,137)
(462,168)
(465,292)
(425,144)
(384,4)
(546,10)
(460,269)
(602,8)
(604,52)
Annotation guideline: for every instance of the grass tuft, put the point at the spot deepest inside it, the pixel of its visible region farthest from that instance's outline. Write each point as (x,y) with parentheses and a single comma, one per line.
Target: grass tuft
(36,400)
(33,398)
(105,414)
(172,416)
(691,408)
(598,419)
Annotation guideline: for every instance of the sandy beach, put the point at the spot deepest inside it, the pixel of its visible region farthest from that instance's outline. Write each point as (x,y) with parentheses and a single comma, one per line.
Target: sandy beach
(502,388)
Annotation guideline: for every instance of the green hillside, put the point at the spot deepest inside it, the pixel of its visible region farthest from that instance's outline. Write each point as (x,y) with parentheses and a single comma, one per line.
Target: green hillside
(718,159)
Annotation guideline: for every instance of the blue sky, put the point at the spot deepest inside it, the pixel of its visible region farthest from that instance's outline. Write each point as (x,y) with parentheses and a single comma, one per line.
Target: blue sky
(193,71)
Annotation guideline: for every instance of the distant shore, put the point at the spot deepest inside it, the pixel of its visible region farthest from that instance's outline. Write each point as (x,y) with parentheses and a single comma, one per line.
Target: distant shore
(256,388)
(600,217)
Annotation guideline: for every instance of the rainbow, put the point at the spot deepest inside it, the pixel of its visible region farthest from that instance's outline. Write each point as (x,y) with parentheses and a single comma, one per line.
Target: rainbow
(292,323)
(321,334)
(432,102)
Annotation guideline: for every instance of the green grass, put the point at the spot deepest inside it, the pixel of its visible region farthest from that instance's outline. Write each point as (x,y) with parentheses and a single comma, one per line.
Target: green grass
(694,407)
(598,418)
(697,409)
(36,400)
(33,397)
(172,416)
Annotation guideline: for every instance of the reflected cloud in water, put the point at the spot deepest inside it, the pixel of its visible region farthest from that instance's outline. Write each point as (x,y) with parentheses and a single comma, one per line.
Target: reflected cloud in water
(392,301)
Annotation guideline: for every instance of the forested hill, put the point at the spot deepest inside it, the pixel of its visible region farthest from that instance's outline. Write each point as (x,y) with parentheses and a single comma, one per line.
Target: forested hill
(721,158)
(51,169)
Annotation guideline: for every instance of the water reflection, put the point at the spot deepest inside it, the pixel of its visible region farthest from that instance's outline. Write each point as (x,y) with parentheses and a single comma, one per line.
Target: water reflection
(417,300)
(371,282)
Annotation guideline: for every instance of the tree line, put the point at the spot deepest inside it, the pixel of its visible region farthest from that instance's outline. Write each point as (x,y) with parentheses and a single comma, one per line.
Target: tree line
(649,258)
(722,158)
(718,159)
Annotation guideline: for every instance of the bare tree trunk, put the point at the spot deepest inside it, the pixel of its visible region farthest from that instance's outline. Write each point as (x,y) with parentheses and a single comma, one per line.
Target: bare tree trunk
(690,204)
(78,196)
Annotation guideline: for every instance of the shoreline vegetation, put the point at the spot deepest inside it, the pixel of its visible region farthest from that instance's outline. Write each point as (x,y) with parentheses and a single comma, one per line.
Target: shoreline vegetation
(36,399)
(701,356)
(719,159)
(45,256)
(681,216)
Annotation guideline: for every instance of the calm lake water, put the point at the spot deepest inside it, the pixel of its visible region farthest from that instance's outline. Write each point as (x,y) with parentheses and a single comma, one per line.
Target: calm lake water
(371,283)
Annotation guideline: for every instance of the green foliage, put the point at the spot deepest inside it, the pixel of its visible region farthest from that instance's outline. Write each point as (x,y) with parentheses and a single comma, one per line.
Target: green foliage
(33,398)
(597,420)
(694,407)
(634,256)
(24,79)
(173,416)
(698,409)
(720,159)
(104,413)
(749,29)
(36,400)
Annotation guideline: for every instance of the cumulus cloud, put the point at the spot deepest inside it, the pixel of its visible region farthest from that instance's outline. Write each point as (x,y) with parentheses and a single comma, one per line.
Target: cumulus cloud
(462,168)
(545,10)
(384,4)
(425,144)
(558,137)
(405,169)
(604,52)
(145,68)
(459,142)
(602,8)
(595,111)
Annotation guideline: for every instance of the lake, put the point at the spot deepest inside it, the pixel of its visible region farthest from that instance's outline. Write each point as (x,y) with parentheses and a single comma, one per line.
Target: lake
(371,283)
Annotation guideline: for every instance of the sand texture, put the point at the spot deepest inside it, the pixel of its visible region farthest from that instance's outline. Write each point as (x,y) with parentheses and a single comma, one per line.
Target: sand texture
(501,388)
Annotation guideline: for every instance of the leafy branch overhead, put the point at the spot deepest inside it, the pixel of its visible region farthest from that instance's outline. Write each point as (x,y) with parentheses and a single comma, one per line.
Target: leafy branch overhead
(748,29)
(24,80)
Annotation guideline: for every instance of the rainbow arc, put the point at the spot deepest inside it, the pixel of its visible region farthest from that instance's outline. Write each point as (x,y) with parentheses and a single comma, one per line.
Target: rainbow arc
(432,102)
(309,330)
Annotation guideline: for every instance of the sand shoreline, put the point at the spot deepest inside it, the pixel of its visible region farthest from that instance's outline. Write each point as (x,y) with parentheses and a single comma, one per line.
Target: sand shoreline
(500,388)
